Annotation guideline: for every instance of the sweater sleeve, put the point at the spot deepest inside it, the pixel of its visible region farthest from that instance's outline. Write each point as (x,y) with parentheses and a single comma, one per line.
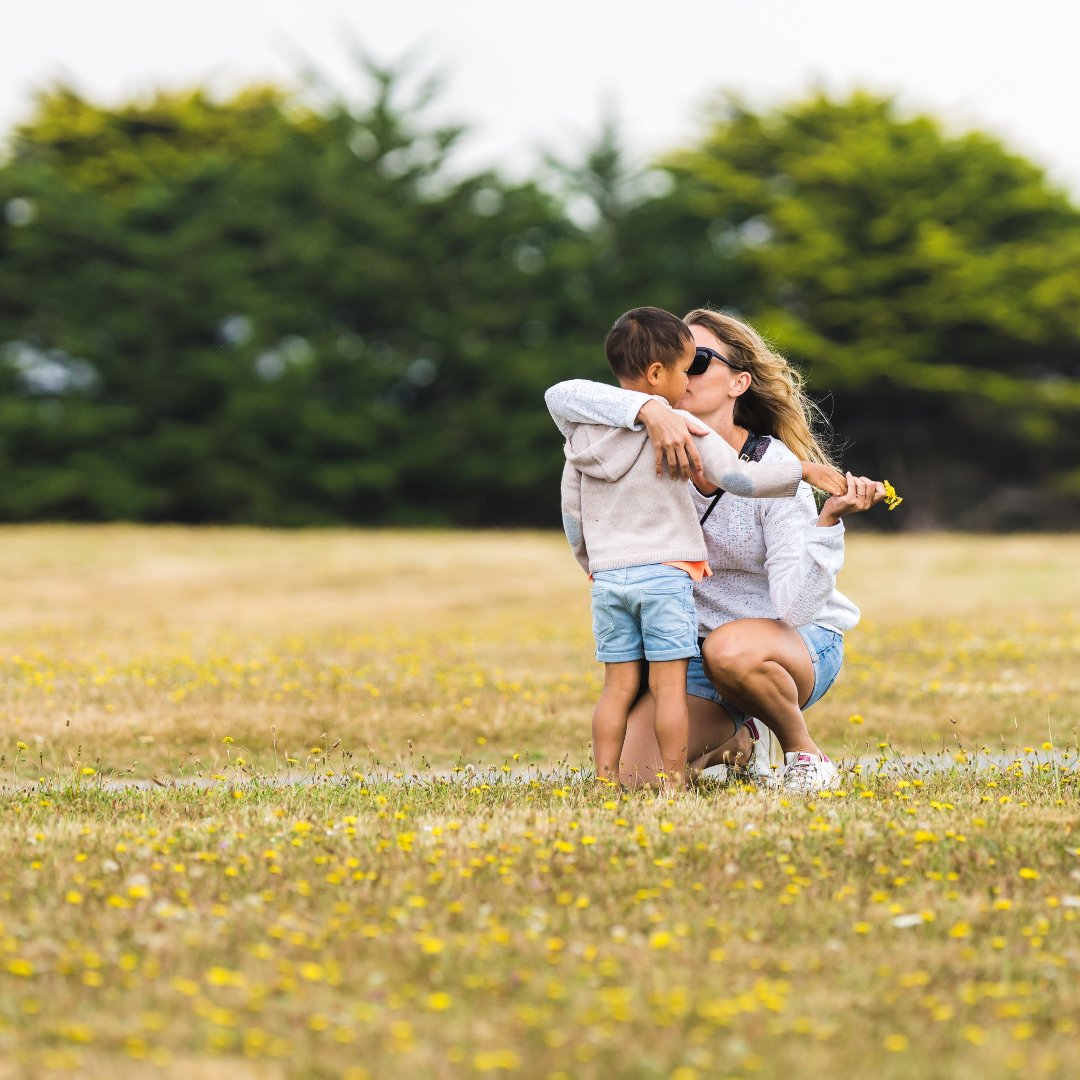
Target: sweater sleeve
(802,560)
(571,514)
(581,401)
(751,479)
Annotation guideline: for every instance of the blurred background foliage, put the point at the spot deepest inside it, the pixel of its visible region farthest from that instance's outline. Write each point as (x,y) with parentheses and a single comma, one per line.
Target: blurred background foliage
(293,308)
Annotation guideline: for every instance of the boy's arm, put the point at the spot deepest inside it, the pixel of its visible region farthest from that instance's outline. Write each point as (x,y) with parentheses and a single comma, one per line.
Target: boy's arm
(672,434)
(751,479)
(571,514)
(724,468)
(581,401)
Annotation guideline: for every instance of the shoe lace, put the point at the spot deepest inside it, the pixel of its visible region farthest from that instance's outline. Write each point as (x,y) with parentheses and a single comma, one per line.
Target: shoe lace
(801,769)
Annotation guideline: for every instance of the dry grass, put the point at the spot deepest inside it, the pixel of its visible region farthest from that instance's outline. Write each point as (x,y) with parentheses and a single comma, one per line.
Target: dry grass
(149,646)
(356,926)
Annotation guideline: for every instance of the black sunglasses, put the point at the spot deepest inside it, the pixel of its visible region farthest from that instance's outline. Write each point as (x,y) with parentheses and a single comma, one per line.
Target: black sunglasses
(704,356)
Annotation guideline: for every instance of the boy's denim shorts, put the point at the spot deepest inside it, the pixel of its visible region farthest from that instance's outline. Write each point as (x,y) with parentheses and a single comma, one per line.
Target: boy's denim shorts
(826,648)
(644,612)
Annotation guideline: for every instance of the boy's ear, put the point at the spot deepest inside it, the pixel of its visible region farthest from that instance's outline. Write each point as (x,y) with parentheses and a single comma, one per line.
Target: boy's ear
(652,372)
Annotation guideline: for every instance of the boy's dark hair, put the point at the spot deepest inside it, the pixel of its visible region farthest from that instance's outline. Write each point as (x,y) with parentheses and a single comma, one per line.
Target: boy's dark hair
(644,336)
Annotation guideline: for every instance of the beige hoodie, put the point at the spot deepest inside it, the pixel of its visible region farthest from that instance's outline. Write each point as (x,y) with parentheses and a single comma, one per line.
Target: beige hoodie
(617,512)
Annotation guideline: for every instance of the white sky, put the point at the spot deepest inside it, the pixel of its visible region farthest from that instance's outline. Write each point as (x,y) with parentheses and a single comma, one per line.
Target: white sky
(524,75)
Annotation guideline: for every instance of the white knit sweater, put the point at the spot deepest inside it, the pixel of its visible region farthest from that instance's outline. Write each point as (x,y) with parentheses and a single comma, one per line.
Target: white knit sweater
(770,559)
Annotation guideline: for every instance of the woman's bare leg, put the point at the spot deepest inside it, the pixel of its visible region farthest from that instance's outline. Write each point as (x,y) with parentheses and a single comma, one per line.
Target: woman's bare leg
(736,751)
(763,667)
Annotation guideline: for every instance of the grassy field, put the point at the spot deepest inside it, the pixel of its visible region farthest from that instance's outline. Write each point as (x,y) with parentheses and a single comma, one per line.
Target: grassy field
(914,923)
(143,649)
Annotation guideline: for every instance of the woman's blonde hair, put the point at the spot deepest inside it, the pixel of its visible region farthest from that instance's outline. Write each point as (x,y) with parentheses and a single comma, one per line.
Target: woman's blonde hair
(776,402)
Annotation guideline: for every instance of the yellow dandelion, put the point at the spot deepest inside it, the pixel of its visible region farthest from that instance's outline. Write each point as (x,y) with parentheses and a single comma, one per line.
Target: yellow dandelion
(892,500)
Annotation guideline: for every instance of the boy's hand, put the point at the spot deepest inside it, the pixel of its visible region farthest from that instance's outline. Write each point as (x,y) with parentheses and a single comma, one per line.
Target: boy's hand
(824,478)
(673,439)
(861,494)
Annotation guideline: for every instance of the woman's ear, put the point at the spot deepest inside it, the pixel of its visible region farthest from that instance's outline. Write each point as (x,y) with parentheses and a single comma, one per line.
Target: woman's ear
(742,383)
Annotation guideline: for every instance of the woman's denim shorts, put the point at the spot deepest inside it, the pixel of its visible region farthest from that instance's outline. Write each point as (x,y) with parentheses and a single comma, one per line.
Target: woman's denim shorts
(826,648)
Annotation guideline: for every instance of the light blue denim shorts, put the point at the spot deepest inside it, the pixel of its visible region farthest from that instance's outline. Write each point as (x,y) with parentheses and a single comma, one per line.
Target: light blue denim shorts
(826,648)
(644,612)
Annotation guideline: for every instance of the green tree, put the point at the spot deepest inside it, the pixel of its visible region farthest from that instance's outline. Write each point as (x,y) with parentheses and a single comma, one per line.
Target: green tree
(279,314)
(928,282)
(294,308)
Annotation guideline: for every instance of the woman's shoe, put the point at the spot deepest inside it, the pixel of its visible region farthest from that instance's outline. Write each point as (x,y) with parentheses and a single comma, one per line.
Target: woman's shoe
(760,769)
(806,773)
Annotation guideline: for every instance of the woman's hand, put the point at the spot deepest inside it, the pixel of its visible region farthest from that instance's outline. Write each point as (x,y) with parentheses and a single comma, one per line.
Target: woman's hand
(861,494)
(673,439)
(824,478)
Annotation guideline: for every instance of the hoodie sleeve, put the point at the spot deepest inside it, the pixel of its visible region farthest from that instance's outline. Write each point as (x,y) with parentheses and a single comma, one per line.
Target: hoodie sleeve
(751,479)
(571,514)
(580,401)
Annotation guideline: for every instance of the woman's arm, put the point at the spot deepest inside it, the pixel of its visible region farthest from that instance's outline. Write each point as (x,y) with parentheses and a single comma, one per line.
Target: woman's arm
(805,550)
(802,560)
(861,494)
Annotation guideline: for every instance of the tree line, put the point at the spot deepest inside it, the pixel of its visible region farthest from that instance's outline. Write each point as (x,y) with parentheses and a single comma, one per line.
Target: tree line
(289,309)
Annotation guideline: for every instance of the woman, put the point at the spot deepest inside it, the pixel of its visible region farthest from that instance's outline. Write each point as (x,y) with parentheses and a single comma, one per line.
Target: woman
(771,619)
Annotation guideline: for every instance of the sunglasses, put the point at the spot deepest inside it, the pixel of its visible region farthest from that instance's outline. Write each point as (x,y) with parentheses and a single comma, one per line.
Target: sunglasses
(704,356)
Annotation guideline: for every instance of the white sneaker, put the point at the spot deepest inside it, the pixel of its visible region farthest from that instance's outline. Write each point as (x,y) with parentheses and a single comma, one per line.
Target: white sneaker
(806,773)
(759,768)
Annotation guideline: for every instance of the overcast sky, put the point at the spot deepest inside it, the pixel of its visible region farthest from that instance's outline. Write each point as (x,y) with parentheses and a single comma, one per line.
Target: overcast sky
(526,75)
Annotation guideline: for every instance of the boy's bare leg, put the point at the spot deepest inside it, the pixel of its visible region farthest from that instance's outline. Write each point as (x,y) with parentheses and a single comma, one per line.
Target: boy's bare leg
(710,734)
(667,684)
(621,684)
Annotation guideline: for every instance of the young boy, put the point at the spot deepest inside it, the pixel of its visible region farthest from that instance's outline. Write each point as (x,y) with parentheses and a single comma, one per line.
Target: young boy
(639,538)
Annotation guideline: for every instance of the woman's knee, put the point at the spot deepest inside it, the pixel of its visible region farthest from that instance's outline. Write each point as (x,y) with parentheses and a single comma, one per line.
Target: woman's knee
(726,655)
